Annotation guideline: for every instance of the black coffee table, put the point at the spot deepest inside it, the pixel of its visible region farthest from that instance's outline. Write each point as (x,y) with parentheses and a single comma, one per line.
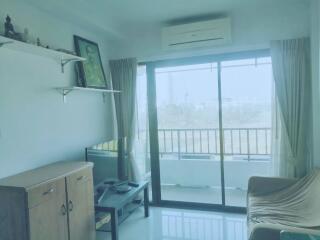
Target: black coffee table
(118,206)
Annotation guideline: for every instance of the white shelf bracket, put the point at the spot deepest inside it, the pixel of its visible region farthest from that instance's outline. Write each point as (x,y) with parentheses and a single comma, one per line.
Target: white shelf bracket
(66,61)
(5,43)
(65,92)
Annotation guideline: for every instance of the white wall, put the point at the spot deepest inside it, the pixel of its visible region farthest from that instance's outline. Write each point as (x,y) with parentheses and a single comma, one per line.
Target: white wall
(36,127)
(315,51)
(253,28)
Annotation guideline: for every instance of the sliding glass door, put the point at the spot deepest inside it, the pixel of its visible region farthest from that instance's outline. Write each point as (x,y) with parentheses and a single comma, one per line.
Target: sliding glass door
(188,133)
(210,127)
(246,89)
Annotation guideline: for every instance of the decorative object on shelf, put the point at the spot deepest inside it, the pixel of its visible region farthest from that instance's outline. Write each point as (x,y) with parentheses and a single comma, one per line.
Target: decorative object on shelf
(38,42)
(8,27)
(9,30)
(79,79)
(66,51)
(91,70)
(26,35)
(62,58)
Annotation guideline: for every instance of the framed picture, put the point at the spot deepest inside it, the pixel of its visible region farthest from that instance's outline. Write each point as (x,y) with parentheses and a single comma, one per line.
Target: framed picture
(91,70)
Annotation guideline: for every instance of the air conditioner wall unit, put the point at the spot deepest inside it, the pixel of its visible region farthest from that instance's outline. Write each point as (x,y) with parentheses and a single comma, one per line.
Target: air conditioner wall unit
(197,34)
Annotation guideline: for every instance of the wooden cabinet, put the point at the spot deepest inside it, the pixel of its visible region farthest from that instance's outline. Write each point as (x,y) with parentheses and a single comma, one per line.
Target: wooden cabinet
(54,202)
(48,214)
(80,202)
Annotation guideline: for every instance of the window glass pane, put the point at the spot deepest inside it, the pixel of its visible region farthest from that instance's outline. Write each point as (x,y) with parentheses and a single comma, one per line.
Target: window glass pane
(246,107)
(188,134)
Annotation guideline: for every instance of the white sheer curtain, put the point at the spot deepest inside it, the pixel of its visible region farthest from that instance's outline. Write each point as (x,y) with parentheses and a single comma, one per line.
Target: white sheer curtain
(292,117)
(124,75)
(141,141)
(281,151)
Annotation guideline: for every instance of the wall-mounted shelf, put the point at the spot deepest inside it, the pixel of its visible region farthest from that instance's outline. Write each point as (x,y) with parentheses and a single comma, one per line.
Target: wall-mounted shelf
(61,57)
(66,90)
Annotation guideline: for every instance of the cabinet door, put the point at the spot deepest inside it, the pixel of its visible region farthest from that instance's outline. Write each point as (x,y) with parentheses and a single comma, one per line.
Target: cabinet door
(48,212)
(81,205)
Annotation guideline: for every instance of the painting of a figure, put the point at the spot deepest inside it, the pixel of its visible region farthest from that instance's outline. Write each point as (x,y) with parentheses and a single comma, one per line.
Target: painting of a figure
(91,70)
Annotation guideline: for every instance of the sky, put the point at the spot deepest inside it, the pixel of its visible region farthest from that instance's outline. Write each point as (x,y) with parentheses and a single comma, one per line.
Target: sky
(246,85)
(199,83)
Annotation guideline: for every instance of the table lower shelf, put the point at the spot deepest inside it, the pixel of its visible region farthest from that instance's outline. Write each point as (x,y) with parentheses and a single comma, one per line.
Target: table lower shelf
(102,219)
(123,214)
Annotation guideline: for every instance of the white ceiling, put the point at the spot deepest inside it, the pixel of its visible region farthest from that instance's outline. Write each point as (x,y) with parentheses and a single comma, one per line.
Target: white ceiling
(140,11)
(118,17)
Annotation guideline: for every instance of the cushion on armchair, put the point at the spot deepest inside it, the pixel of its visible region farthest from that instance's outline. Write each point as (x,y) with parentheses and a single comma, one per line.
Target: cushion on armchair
(276,204)
(298,236)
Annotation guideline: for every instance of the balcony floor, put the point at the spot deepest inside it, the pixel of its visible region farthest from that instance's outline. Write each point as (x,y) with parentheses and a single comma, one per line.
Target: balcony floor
(234,197)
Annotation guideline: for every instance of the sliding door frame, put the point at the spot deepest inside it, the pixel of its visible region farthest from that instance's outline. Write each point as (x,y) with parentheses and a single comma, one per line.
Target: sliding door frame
(153,126)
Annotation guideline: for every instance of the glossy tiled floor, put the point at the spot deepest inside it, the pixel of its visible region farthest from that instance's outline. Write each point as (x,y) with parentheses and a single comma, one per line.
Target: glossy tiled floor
(176,224)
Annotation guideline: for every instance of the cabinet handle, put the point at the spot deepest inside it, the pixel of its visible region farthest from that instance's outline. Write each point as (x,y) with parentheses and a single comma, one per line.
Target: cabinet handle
(82,178)
(51,190)
(70,206)
(63,210)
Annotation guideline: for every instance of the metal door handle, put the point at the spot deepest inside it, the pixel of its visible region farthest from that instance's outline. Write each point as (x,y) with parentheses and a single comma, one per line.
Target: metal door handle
(63,209)
(51,190)
(70,206)
(82,178)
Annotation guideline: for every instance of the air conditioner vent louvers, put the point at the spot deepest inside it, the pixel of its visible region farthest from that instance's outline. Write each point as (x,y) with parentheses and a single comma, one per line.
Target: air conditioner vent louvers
(198,34)
(205,40)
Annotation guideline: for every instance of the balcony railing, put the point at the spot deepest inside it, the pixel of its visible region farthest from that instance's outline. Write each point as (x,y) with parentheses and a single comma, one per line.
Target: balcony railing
(239,143)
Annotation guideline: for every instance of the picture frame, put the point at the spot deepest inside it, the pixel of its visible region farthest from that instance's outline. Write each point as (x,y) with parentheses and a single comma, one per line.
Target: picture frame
(91,70)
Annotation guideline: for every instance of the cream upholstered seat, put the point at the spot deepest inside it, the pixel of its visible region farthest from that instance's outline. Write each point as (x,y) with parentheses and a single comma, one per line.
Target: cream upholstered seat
(277,204)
